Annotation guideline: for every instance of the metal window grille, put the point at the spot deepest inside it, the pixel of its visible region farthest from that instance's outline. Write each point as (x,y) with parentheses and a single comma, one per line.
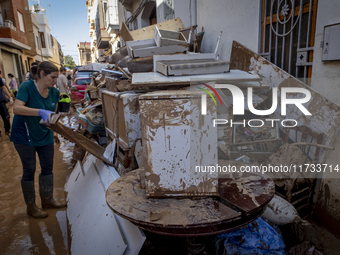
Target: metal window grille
(287,35)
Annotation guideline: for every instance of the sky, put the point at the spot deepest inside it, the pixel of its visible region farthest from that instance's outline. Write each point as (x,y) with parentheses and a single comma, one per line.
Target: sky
(68,23)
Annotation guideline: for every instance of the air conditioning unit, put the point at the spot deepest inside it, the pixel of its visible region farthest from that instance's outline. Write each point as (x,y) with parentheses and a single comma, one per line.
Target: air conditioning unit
(9,22)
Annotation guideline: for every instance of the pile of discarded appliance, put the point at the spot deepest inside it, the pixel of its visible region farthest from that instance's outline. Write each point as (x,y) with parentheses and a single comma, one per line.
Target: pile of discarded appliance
(144,105)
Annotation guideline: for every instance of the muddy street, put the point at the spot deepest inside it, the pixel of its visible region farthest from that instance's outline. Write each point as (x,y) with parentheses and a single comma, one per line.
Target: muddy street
(19,233)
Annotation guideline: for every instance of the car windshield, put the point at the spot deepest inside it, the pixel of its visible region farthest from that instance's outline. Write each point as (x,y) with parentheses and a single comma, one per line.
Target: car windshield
(85,73)
(83,82)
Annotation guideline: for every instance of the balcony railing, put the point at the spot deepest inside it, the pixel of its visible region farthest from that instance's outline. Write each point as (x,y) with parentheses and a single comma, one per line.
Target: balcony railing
(8,23)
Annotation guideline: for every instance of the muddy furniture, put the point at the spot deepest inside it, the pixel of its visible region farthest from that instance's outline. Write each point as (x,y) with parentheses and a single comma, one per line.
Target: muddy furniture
(122,122)
(192,67)
(176,139)
(127,126)
(241,200)
(299,193)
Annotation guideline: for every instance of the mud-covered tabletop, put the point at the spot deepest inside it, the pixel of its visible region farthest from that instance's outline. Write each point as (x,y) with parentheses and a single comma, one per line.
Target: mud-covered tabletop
(243,198)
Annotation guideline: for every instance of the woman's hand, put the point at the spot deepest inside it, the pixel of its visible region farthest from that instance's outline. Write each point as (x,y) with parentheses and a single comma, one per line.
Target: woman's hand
(45,114)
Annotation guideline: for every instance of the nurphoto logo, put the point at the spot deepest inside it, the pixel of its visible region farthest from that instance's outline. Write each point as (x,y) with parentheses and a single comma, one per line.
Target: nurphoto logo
(239,102)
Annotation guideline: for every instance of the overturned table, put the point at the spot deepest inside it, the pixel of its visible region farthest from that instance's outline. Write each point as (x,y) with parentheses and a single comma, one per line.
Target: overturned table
(243,198)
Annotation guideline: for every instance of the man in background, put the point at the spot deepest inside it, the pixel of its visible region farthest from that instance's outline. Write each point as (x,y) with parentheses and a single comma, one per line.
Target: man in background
(6,87)
(62,81)
(3,108)
(29,75)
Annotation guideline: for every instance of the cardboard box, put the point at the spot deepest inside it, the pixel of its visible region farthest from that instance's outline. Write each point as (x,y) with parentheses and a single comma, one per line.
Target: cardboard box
(166,37)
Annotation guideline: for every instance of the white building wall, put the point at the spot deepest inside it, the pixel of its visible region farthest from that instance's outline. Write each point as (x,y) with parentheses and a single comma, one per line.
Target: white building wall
(92,18)
(93,10)
(326,80)
(43,27)
(122,16)
(184,9)
(325,75)
(36,37)
(239,20)
(112,14)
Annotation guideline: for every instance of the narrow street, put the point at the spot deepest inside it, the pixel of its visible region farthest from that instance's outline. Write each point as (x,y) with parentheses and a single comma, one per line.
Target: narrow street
(19,233)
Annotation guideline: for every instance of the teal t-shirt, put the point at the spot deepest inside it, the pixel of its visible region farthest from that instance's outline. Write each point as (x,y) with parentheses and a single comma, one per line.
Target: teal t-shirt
(26,129)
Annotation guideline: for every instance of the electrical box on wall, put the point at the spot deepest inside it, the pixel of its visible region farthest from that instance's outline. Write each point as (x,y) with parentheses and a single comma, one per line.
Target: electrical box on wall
(331,43)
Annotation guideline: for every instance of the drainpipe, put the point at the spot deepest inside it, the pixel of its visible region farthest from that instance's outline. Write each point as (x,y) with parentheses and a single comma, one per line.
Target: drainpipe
(84,56)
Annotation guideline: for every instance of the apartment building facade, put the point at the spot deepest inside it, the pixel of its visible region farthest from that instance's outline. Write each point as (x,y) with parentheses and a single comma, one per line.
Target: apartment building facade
(14,38)
(84,53)
(24,38)
(104,28)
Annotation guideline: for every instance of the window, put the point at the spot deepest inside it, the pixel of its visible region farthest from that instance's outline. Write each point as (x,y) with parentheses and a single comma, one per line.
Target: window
(22,66)
(26,65)
(21,22)
(287,35)
(37,42)
(42,39)
(105,16)
(169,9)
(83,82)
(1,19)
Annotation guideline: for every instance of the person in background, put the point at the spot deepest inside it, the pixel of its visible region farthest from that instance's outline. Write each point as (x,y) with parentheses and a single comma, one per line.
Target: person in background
(13,84)
(3,108)
(29,75)
(36,100)
(62,81)
(6,87)
(69,78)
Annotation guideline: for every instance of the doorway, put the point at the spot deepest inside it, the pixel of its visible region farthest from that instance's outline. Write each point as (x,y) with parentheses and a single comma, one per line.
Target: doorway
(149,14)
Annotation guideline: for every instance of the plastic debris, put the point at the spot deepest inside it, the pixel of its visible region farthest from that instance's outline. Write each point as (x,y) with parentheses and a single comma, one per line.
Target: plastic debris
(281,212)
(257,237)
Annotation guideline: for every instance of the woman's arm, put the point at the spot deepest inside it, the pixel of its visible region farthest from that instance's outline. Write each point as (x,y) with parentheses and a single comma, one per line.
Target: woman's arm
(5,89)
(8,90)
(19,108)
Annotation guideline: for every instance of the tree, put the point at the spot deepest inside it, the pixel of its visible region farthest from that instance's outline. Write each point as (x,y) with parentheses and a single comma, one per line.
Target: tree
(69,62)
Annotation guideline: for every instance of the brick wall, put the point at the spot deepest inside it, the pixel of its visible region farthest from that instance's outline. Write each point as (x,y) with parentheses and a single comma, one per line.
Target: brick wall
(10,12)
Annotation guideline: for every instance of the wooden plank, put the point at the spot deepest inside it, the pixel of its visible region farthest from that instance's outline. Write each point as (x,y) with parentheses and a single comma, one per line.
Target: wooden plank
(138,52)
(148,32)
(125,33)
(75,137)
(325,113)
(155,79)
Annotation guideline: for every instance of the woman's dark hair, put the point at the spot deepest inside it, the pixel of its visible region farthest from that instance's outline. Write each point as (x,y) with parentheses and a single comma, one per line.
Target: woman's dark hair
(10,75)
(45,66)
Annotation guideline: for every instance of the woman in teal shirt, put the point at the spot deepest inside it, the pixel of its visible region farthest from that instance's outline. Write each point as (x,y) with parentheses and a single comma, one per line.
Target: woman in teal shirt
(36,99)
